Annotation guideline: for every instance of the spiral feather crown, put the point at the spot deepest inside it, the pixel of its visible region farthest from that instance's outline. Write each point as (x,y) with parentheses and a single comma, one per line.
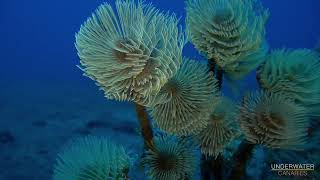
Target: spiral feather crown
(130,52)
(173,158)
(187,99)
(229,32)
(91,158)
(221,129)
(273,120)
(295,73)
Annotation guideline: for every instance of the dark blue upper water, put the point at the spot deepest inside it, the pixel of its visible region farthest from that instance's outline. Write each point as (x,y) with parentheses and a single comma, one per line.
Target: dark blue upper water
(37,37)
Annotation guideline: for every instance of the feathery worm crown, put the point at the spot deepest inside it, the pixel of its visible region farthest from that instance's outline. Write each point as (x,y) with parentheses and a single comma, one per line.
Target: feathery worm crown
(188,98)
(222,128)
(91,158)
(273,120)
(172,158)
(130,52)
(229,32)
(295,73)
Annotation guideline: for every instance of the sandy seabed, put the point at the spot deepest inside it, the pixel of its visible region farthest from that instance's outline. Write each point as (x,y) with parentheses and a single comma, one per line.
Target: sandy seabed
(38,117)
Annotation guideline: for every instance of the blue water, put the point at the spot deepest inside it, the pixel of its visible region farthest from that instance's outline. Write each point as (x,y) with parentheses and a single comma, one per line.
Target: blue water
(38,36)
(45,100)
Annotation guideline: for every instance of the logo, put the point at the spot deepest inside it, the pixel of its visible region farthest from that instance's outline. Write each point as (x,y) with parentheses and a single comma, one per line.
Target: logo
(292,169)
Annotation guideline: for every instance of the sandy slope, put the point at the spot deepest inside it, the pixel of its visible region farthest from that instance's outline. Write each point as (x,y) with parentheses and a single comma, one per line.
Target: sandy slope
(37,118)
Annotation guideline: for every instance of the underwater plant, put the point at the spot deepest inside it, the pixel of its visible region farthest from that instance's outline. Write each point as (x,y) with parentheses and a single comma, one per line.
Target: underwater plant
(295,73)
(91,158)
(173,158)
(221,129)
(228,32)
(130,52)
(273,120)
(188,98)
